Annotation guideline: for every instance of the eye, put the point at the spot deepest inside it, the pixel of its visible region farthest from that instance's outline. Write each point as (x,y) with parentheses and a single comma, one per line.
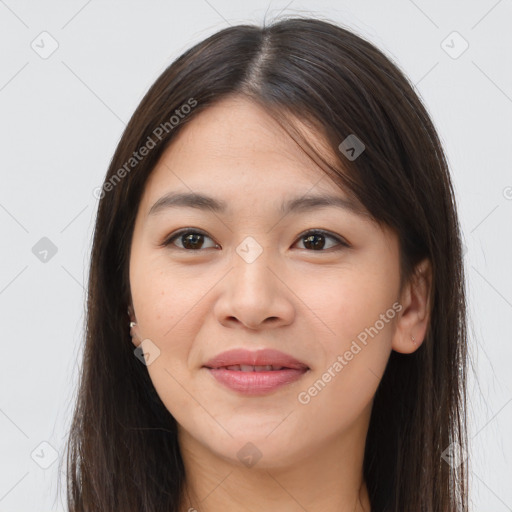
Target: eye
(192,239)
(315,240)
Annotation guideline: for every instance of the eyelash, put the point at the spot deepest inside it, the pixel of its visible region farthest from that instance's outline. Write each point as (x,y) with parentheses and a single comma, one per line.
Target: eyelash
(322,232)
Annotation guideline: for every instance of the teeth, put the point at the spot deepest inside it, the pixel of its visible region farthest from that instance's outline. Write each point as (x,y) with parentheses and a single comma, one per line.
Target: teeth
(250,368)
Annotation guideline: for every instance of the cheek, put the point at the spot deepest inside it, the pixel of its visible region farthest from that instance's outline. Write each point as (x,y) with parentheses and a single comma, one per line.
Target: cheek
(353,362)
(346,303)
(170,305)
(162,297)
(357,311)
(164,306)
(356,328)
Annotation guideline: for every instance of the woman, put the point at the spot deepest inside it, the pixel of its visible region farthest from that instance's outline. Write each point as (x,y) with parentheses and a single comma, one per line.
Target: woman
(276,311)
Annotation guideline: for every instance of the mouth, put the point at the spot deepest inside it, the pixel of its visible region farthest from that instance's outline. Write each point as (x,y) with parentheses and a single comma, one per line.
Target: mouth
(251,368)
(263,360)
(251,382)
(255,372)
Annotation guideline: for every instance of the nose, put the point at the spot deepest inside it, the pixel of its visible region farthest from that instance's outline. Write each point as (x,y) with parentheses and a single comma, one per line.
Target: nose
(255,296)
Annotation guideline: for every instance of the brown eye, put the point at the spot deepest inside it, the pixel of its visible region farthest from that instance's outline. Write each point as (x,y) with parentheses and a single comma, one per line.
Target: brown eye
(194,240)
(316,240)
(189,239)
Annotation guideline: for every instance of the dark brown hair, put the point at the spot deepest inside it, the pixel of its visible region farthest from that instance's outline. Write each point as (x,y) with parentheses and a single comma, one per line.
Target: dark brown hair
(123,453)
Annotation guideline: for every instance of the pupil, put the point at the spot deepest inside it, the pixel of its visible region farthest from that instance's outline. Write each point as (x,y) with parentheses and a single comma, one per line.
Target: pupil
(315,241)
(316,245)
(190,239)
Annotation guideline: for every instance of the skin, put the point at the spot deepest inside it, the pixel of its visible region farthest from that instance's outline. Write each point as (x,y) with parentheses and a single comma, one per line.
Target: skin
(311,303)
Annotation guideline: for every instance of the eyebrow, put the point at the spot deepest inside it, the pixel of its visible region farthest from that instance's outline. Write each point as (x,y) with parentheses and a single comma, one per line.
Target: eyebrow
(298,204)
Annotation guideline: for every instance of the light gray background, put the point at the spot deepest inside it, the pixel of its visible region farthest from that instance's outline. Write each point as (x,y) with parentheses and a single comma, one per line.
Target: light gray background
(61,118)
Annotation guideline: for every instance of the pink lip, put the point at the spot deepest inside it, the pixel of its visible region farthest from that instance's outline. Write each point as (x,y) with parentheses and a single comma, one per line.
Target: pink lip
(255,358)
(257,382)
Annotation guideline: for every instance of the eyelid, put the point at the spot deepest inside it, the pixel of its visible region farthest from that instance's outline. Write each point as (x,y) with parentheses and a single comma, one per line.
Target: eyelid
(342,241)
(326,233)
(175,234)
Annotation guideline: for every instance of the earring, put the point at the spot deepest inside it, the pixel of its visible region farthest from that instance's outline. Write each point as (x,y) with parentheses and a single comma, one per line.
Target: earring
(132,324)
(413,339)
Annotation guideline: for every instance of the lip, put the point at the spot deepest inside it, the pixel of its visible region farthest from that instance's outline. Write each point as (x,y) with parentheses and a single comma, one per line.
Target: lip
(255,358)
(255,382)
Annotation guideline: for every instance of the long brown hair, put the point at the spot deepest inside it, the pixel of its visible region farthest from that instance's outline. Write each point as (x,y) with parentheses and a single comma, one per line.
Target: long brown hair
(123,453)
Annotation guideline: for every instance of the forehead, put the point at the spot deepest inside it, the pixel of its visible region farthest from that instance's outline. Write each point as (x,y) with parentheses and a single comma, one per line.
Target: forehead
(236,149)
(235,126)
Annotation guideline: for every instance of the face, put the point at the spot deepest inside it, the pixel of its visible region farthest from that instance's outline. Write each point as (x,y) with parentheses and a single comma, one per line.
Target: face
(319,283)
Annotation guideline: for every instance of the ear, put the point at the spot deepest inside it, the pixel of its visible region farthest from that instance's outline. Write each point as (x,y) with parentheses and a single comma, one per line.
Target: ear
(133,330)
(414,318)
(131,313)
